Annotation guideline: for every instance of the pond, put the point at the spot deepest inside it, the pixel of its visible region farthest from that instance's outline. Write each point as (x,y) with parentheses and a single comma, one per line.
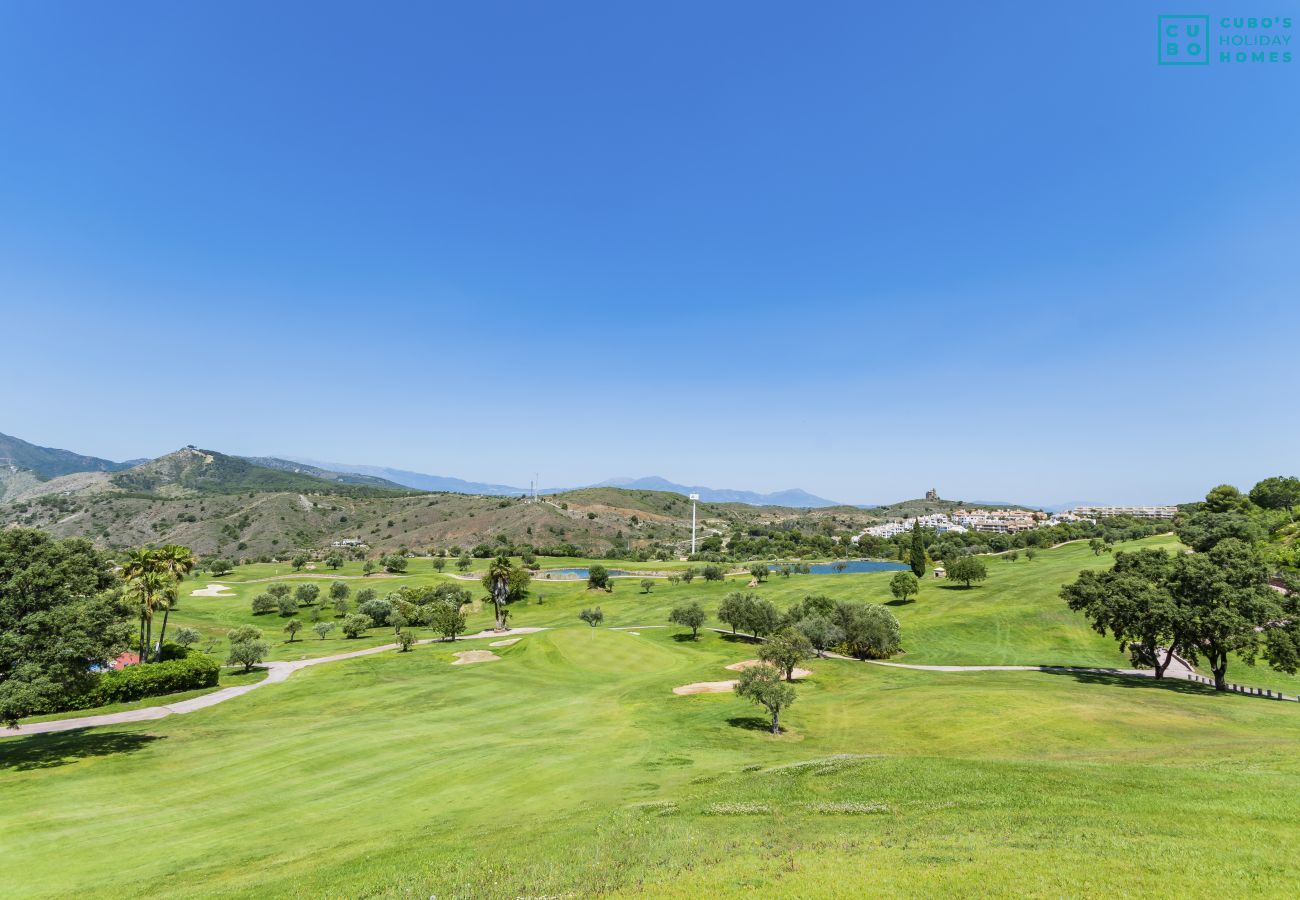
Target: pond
(854,566)
(579,573)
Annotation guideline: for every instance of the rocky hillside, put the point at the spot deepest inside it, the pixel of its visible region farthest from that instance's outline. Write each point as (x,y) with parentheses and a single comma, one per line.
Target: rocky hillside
(49,462)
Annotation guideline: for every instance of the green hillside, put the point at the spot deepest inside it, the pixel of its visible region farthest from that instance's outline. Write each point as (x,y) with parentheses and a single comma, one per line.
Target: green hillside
(49,462)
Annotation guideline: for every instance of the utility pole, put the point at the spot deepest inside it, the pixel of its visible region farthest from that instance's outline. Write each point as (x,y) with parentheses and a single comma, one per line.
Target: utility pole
(694,498)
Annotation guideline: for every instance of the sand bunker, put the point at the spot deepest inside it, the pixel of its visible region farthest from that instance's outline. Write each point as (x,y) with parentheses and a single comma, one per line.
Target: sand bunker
(706,687)
(213,590)
(465,657)
(506,643)
(745,664)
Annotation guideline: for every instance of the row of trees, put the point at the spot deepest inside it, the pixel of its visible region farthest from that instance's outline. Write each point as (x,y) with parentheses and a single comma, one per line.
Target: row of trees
(864,630)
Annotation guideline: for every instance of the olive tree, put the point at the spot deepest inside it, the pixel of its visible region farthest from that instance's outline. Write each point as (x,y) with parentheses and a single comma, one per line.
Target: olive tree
(690,615)
(763,686)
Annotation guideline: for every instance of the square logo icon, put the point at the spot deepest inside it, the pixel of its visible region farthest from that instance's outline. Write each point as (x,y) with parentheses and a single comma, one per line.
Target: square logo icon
(1183,40)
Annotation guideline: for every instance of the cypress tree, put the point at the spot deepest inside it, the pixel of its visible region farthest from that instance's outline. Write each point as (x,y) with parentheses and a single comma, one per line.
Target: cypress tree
(918,551)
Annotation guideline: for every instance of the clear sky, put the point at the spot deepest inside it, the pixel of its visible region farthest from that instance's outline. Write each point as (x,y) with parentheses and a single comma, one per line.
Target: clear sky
(993,249)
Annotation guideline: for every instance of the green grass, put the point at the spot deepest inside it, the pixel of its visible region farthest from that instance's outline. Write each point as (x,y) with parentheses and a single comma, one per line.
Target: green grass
(401,775)
(568,767)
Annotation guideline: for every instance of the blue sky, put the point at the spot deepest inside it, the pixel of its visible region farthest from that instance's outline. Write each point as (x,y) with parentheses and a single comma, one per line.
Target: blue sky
(862,251)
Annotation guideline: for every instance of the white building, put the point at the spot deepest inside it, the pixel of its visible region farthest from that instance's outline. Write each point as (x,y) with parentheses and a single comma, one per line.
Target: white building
(1133,512)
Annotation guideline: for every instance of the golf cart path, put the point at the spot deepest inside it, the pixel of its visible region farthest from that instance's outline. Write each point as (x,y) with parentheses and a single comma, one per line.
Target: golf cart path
(275,672)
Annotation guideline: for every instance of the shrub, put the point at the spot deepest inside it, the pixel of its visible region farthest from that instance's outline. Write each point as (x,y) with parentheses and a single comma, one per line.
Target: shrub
(263,604)
(357,624)
(647,585)
(377,609)
(248,653)
(598,578)
(152,680)
(592,617)
(404,641)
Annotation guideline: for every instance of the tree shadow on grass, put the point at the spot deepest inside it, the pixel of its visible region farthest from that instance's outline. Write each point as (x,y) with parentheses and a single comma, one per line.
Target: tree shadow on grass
(684,637)
(738,638)
(751,723)
(1176,685)
(48,751)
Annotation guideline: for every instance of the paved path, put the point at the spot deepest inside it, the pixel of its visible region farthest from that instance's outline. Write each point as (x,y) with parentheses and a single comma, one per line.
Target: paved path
(275,672)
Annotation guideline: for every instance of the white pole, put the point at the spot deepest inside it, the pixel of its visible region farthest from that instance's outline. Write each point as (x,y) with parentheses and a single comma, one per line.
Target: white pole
(694,497)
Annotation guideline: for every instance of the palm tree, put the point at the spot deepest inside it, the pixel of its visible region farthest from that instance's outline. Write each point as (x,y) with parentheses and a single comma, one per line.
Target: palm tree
(175,562)
(147,590)
(498,581)
(136,571)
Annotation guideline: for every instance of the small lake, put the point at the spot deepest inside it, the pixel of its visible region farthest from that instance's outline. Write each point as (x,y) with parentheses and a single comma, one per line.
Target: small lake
(580,573)
(854,566)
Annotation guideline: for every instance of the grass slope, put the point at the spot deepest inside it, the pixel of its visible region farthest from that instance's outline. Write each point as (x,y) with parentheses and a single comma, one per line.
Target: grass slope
(568,767)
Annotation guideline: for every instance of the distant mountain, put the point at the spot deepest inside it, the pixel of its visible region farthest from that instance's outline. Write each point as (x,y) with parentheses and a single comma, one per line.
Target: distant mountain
(793,497)
(191,471)
(287,465)
(49,462)
(422,482)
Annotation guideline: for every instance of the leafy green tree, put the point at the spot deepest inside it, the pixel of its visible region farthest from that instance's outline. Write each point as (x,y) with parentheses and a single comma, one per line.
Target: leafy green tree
(340,605)
(357,624)
(917,555)
(734,610)
(1096,545)
(822,634)
(368,567)
(334,561)
(759,571)
(279,590)
(394,563)
(463,562)
(292,627)
(689,573)
(689,615)
(762,685)
(376,609)
(764,618)
(322,629)
(870,631)
(1030,553)
(241,633)
(1203,530)
(904,585)
(307,594)
(785,650)
(1012,556)
(220,566)
(247,653)
(288,606)
(1225,595)
(439,563)
(967,570)
(1132,603)
(598,578)
(187,637)
(339,589)
(299,561)
(365,595)
(713,573)
(592,617)
(405,640)
(1226,499)
(263,604)
(59,615)
(1278,492)
(445,618)
(647,585)
(784,570)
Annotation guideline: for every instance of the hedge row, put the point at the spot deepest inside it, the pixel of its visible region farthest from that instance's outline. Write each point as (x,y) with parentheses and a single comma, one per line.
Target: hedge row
(153,679)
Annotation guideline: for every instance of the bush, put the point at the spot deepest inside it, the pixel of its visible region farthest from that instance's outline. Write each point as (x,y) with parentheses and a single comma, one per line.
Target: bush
(592,617)
(288,606)
(598,578)
(357,624)
(263,604)
(377,609)
(248,653)
(152,680)
(713,573)
(404,641)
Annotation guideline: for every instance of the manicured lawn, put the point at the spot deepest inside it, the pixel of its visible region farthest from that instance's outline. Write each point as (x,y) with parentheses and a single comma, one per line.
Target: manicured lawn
(569,767)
